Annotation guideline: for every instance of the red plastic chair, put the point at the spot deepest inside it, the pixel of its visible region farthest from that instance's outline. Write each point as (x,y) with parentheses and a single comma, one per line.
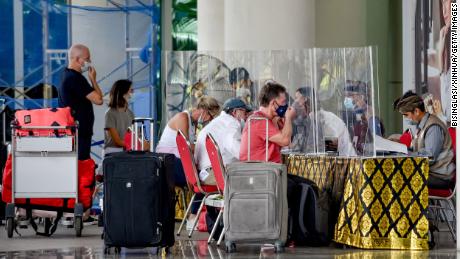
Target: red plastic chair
(217,162)
(441,201)
(453,136)
(218,167)
(191,175)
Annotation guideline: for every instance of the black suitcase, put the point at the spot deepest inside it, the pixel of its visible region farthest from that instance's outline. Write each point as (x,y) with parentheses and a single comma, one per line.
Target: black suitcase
(139,200)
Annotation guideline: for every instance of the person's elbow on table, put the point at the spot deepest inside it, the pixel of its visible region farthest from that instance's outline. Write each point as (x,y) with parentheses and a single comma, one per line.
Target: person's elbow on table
(394,137)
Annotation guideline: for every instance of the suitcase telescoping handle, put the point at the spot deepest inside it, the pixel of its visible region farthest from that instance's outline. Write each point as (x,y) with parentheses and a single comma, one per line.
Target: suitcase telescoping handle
(266,136)
(140,122)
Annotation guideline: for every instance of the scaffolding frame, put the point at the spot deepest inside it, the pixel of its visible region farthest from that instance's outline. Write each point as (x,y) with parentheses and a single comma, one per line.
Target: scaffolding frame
(60,57)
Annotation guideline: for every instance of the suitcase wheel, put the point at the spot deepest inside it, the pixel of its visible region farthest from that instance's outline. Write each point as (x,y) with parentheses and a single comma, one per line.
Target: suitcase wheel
(10,227)
(100,220)
(230,247)
(107,250)
(78,225)
(279,247)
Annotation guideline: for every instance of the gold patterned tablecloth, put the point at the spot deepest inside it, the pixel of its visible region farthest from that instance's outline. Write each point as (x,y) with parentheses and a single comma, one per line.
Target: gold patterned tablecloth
(383,201)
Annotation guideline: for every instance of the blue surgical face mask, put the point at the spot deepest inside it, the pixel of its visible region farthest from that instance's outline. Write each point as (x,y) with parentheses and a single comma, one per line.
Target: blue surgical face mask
(200,119)
(348,103)
(242,123)
(281,110)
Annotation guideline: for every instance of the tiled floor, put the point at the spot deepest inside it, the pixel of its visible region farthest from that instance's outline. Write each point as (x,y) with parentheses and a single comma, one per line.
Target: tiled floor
(63,244)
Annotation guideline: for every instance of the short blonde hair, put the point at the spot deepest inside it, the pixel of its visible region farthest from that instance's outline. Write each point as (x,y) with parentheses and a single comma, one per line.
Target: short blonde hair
(209,104)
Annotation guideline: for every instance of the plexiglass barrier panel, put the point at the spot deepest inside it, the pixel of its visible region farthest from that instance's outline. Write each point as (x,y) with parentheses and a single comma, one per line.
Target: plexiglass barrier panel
(333,91)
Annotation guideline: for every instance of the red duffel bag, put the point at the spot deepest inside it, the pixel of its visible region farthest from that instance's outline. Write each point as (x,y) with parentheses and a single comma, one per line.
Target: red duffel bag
(86,185)
(44,117)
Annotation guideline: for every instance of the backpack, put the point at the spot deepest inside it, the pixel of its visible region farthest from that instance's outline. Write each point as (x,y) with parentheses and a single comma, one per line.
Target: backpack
(308,213)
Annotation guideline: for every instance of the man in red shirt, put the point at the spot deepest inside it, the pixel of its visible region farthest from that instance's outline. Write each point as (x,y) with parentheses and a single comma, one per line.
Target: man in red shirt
(274,107)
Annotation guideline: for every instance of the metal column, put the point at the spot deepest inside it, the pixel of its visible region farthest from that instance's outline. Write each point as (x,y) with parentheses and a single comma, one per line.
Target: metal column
(46,63)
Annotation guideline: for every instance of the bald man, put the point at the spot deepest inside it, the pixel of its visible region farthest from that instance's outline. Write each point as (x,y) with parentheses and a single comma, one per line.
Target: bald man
(75,92)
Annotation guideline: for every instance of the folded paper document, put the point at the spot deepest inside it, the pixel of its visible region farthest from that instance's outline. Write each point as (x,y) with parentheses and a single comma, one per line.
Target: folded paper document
(386,145)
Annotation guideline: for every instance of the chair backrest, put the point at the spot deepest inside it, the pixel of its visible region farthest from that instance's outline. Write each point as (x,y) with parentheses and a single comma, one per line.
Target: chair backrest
(453,138)
(217,163)
(187,160)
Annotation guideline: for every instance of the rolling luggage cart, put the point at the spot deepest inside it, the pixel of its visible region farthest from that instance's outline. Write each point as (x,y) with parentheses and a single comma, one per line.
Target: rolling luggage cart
(44,167)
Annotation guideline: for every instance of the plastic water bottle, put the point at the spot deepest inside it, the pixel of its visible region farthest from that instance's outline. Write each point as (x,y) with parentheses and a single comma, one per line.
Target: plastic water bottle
(96,207)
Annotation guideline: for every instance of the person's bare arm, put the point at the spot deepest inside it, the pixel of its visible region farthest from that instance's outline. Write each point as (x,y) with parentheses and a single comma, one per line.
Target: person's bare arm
(96,95)
(115,137)
(180,122)
(394,137)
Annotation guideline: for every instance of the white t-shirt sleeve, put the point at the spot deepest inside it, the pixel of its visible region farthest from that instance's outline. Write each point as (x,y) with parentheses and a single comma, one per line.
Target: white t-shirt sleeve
(233,142)
(345,145)
(200,150)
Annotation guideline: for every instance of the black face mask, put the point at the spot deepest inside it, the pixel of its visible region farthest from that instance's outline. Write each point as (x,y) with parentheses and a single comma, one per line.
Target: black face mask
(281,110)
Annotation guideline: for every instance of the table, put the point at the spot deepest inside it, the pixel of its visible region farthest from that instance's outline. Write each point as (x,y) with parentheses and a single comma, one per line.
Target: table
(376,203)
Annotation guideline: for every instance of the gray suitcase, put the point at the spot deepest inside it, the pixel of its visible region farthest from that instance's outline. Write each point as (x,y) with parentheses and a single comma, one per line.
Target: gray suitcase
(255,202)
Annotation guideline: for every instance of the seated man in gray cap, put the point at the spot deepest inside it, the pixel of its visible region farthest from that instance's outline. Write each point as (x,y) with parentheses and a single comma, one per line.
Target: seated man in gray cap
(431,139)
(226,130)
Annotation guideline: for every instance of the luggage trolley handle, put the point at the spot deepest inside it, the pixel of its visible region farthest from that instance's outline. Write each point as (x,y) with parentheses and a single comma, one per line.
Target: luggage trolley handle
(266,136)
(135,133)
(15,126)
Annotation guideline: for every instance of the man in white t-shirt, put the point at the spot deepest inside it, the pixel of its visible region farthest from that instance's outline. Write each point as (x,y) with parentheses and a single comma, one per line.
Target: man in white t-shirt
(226,130)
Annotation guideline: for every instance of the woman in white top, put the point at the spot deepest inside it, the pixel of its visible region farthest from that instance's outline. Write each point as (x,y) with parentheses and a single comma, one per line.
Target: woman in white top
(205,110)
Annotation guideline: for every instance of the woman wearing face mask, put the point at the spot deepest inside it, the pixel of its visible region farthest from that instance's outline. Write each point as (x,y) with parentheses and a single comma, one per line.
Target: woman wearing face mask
(187,121)
(301,123)
(118,117)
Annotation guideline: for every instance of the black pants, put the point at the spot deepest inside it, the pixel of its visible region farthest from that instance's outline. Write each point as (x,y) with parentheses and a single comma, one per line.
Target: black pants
(438,183)
(84,147)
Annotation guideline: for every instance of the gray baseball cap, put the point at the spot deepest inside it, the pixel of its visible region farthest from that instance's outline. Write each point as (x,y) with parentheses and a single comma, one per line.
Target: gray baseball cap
(235,103)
